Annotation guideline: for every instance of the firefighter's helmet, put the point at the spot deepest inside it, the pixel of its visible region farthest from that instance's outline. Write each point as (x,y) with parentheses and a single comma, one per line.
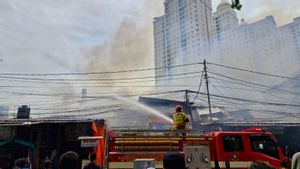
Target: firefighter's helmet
(178,108)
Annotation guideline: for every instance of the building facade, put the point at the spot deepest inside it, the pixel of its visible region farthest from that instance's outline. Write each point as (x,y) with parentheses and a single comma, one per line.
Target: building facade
(289,39)
(251,46)
(182,36)
(189,32)
(225,25)
(224,21)
(259,46)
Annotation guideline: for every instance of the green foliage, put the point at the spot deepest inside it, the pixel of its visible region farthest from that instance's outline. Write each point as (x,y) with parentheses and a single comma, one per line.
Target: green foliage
(236,4)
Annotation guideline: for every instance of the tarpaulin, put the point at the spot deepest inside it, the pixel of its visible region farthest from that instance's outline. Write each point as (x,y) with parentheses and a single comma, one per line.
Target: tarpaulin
(99,130)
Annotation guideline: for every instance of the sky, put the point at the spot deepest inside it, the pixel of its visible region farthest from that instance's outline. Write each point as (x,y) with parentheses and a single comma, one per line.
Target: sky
(55,36)
(59,36)
(52,35)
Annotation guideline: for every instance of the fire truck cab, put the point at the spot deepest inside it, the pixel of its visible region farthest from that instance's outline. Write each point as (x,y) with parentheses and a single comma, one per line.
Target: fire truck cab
(202,150)
(240,149)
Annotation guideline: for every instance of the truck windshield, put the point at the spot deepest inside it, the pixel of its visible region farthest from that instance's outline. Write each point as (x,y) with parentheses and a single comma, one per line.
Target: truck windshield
(264,144)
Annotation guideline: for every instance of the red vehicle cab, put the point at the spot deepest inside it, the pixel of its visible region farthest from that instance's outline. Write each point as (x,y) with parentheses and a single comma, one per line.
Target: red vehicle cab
(240,149)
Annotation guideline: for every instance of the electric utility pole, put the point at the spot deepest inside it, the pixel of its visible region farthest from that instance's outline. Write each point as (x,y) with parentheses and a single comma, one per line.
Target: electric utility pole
(186,97)
(189,108)
(207,89)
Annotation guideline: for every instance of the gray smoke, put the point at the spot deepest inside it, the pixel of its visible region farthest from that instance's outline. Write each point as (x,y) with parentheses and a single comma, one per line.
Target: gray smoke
(57,61)
(65,91)
(283,11)
(131,47)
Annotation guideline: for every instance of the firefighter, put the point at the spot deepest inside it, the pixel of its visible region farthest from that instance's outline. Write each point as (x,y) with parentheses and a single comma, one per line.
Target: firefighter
(180,119)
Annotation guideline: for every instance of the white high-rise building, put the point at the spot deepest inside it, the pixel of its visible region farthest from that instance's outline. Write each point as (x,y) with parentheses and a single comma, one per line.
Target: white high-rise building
(224,21)
(182,35)
(251,46)
(225,24)
(260,46)
(255,45)
(261,43)
(289,38)
(188,32)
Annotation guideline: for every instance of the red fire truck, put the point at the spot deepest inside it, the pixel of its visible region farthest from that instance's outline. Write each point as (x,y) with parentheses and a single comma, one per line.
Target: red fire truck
(202,150)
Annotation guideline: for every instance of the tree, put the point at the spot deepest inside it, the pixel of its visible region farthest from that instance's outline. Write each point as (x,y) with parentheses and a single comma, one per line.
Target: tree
(236,4)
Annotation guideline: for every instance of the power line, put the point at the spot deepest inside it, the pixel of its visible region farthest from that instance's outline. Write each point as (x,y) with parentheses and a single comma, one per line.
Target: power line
(269,93)
(227,89)
(53,105)
(101,86)
(285,113)
(227,101)
(89,83)
(250,100)
(98,73)
(239,105)
(71,112)
(106,95)
(49,99)
(255,72)
(256,84)
(228,105)
(251,89)
(100,79)
(199,87)
(236,107)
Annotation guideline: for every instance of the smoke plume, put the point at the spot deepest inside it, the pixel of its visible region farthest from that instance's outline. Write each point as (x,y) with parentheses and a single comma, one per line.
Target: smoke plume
(283,11)
(131,47)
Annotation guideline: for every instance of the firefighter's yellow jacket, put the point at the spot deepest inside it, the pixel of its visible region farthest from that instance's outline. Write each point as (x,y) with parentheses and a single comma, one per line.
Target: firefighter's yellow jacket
(180,119)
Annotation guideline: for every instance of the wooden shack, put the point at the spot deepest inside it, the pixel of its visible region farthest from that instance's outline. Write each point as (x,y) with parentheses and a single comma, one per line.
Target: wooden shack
(38,140)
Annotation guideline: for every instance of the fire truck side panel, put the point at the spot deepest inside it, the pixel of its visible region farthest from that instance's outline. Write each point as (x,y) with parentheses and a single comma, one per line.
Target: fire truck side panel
(119,160)
(125,149)
(216,150)
(197,156)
